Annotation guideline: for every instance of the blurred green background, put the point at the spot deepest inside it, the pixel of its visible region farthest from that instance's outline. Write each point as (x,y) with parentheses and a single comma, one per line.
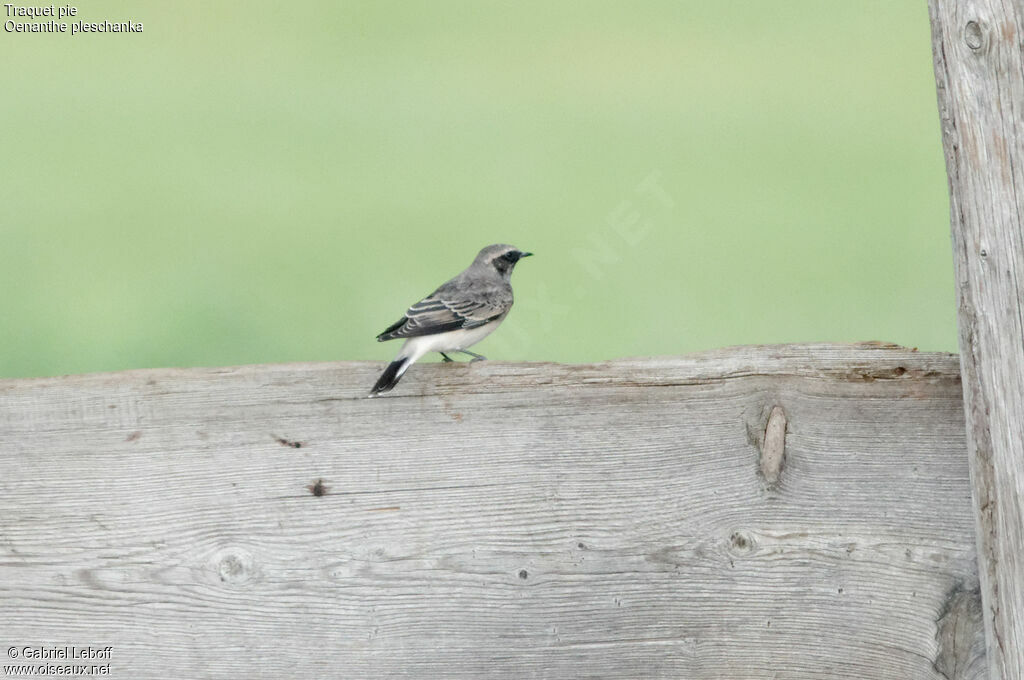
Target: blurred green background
(250,182)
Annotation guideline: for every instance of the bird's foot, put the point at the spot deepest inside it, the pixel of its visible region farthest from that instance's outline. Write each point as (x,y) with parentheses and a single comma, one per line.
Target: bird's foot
(446,359)
(476,357)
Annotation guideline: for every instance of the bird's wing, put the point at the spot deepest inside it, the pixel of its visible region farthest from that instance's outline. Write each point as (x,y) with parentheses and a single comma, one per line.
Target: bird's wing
(449,310)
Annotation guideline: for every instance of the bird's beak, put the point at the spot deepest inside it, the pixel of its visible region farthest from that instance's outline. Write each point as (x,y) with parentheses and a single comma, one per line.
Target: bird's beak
(522,255)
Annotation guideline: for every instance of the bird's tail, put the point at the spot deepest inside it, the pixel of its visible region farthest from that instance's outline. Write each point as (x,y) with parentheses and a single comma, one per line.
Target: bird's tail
(391,375)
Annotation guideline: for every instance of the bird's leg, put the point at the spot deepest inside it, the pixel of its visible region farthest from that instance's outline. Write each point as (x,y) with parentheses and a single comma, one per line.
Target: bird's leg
(476,357)
(447,359)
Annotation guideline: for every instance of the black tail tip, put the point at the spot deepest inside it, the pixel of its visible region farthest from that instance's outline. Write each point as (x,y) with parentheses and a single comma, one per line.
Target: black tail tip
(389,378)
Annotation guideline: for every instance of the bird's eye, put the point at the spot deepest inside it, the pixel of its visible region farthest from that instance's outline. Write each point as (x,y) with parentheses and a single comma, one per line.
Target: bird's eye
(510,256)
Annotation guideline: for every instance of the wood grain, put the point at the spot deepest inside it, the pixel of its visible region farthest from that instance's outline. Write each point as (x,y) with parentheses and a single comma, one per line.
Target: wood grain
(979,70)
(610,520)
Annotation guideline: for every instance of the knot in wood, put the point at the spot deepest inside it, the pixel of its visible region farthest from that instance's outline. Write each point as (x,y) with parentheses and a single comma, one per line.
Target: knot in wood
(741,543)
(973,35)
(234,565)
(960,634)
(773,446)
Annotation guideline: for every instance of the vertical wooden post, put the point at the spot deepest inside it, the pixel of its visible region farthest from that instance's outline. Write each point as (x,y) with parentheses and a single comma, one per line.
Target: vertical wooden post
(979,72)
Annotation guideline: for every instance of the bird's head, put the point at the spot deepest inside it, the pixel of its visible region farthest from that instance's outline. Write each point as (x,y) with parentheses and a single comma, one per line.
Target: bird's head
(501,257)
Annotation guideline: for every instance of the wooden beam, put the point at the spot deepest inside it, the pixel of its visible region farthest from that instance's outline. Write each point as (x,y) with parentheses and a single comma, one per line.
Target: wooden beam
(792,511)
(979,71)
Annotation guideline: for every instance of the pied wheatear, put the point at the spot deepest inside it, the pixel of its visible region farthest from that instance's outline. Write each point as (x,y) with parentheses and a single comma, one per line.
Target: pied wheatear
(459,314)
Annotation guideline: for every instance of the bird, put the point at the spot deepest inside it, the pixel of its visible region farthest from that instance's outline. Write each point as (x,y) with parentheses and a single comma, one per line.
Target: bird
(460,313)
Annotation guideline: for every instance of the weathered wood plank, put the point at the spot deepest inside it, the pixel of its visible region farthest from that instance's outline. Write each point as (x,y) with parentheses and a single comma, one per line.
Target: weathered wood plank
(495,520)
(979,70)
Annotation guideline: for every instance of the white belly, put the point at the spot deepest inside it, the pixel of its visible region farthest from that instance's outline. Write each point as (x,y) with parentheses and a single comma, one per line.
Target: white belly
(447,342)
